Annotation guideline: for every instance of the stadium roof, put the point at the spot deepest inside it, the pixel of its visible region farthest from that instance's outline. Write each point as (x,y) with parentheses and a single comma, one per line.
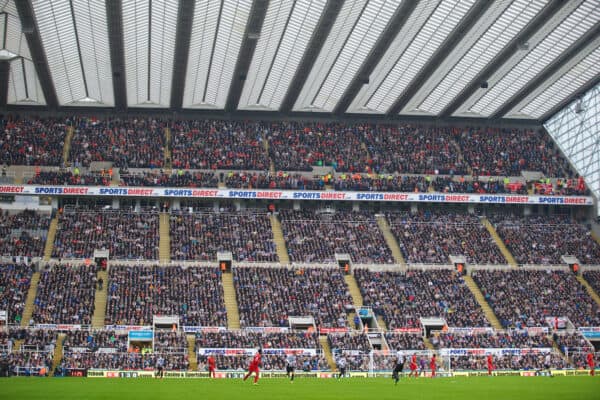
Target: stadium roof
(511,59)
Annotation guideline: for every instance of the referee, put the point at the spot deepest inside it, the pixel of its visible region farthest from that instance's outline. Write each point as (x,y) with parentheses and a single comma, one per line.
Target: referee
(398,367)
(290,366)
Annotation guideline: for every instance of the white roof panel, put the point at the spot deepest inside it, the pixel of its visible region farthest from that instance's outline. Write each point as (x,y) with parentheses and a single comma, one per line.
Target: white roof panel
(286,32)
(214,48)
(75,38)
(353,35)
(149,29)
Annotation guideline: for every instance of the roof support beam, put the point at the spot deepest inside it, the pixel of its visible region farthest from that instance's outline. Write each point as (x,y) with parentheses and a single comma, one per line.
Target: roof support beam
(383,43)
(320,34)
(251,36)
(32,34)
(579,93)
(182,51)
(114,19)
(4,75)
(556,65)
(445,49)
(544,16)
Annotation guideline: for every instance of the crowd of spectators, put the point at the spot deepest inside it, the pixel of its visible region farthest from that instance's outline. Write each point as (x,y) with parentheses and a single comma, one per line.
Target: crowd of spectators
(414,150)
(32,141)
(509,339)
(507,152)
(480,185)
(251,339)
(178,178)
(95,340)
(593,278)
(14,285)
(381,183)
(507,363)
(573,342)
(137,293)
(123,361)
(579,360)
(133,142)
(297,146)
(431,236)
(125,234)
(527,298)
(269,362)
(23,233)
(65,295)
(212,144)
(349,341)
(30,363)
(280,180)
(199,236)
(313,236)
(404,341)
(403,298)
(268,296)
(68,178)
(543,239)
(563,187)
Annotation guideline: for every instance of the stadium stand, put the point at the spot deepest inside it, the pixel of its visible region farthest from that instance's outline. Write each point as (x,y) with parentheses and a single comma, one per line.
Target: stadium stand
(313,236)
(404,341)
(527,298)
(125,234)
(65,295)
(281,180)
(133,143)
(543,240)
(252,340)
(593,278)
(14,285)
(199,236)
(31,141)
(136,293)
(218,145)
(68,178)
(432,236)
(267,296)
(402,298)
(506,340)
(23,233)
(178,178)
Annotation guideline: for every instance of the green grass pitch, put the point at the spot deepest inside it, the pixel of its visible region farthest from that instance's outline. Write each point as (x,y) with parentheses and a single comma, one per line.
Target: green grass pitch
(478,388)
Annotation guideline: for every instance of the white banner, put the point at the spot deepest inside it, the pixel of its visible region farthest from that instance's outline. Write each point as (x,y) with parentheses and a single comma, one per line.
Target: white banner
(293,195)
(3,315)
(494,351)
(251,352)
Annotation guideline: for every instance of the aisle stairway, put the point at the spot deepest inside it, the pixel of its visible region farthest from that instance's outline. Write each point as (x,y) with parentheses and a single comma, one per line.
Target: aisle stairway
(233,315)
(357,298)
(503,249)
(588,288)
(49,246)
(558,350)
(282,252)
(428,344)
(164,247)
(167,151)
(595,237)
(58,353)
(192,358)
(67,145)
(100,300)
(390,240)
(487,310)
(381,323)
(29,302)
(327,352)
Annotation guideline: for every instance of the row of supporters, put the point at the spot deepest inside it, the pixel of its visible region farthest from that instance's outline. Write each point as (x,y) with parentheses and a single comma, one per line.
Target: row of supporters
(428,236)
(267,296)
(292,146)
(295,181)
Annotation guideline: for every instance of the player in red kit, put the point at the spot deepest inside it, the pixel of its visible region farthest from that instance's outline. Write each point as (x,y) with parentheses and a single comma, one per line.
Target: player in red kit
(413,366)
(211,366)
(590,362)
(253,368)
(432,365)
(490,364)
